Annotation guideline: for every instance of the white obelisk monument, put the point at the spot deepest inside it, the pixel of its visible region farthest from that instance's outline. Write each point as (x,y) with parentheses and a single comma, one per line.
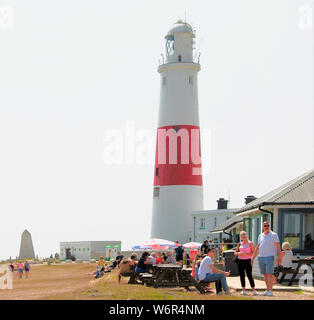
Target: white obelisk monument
(178,187)
(26,248)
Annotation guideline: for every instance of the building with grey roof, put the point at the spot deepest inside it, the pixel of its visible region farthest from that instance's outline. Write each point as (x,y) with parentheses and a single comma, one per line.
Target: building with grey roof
(290,211)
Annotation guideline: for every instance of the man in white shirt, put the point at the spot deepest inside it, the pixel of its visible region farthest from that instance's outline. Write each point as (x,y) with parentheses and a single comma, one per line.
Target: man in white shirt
(207,271)
(267,246)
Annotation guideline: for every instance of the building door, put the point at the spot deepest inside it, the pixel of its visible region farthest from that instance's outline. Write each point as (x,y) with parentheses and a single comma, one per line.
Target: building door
(68,253)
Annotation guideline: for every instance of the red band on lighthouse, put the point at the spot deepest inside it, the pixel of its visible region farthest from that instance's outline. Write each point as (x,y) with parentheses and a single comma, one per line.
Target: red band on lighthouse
(178,156)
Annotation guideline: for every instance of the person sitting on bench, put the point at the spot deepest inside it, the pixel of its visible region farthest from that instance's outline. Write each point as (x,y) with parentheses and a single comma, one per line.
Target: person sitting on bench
(170,258)
(127,269)
(208,273)
(141,266)
(285,260)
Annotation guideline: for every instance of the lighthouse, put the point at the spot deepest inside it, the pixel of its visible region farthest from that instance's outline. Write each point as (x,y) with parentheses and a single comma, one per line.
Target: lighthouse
(178,187)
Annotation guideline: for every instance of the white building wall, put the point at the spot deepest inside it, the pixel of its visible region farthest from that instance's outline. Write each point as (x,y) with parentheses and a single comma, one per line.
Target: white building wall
(213,218)
(86,250)
(79,249)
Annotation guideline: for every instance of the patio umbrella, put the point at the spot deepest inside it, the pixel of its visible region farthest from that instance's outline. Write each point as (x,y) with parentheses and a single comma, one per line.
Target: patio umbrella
(192,245)
(155,244)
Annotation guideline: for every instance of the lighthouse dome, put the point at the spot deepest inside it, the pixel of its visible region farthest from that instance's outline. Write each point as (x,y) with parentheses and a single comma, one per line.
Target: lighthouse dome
(180,27)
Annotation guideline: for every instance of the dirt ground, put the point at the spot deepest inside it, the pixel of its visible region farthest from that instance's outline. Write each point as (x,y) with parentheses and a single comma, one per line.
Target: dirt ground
(71,281)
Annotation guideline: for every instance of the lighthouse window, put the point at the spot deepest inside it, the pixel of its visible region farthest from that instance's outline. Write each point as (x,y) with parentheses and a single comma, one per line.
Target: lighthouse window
(190,79)
(156,192)
(169,45)
(164,79)
(157,172)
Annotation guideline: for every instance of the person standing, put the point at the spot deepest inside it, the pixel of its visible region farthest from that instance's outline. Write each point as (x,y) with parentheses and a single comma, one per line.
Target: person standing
(267,246)
(26,268)
(207,271)
(244,253)
(179,253)
(20,268)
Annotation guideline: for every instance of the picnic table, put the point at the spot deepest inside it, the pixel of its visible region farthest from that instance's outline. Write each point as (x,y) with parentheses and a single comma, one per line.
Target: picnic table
(171,275)
(294,272)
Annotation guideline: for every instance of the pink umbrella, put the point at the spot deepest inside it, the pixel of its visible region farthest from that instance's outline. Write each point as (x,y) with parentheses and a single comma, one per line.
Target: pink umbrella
(192,245)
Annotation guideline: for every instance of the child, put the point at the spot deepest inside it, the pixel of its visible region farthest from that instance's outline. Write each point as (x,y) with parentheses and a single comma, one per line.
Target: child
(285,260)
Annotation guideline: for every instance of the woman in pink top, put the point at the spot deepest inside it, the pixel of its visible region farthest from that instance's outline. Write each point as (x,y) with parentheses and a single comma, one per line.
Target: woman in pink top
(20,267)
(244,253)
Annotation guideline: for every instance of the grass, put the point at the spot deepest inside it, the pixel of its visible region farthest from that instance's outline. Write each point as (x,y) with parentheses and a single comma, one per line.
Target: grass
(108,288)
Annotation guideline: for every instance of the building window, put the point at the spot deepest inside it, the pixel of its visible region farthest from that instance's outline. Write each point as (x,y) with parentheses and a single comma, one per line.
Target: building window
(156,192)
(202,223)
(164,81)
(215,222)
(179,58)
(83,249)
(74,249)
(308,231)
(79,249)
(88,249)
(157,172)
(291,229)
(190,79)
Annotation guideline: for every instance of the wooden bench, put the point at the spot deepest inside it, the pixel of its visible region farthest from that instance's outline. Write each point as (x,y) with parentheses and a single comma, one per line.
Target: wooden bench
(147,278)
(284,272)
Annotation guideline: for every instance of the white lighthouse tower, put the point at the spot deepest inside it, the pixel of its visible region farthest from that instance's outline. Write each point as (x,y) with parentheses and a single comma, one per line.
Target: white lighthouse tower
(178,187)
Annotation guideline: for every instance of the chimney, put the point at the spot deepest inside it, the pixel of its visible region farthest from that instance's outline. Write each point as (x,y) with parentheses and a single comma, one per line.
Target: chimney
(249,199)
(222,203)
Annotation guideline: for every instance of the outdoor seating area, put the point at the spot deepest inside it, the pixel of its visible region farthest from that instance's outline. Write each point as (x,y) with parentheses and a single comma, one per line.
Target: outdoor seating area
(167,264)
(295,272)
(172,276)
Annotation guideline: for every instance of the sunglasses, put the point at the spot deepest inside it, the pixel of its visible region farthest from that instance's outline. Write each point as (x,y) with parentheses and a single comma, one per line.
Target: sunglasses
(266,225)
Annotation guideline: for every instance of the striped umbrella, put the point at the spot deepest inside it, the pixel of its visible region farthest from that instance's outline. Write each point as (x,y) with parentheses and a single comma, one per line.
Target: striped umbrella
(155,244)
(192,245)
